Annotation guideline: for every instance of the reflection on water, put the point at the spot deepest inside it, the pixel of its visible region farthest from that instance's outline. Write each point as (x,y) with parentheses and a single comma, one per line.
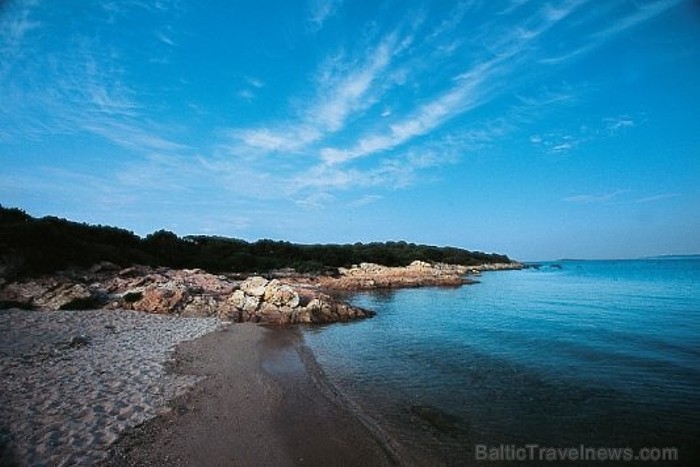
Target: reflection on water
(594,353)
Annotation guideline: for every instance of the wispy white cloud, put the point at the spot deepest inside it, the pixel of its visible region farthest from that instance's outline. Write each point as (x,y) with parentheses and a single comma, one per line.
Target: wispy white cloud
(164,38)
(321,10)
(644,12)
(460,98)
(133,136)
(343,94)
(379,114)
(659,197)
(250,89)
(316,201)
(255,82)
(595,198)
(483,81)
(562,147)
(344,89)
(83,88)
(563,141)
(616,124)
(365,200)
(334,127)
(16,24)
(641,12)
(246,94)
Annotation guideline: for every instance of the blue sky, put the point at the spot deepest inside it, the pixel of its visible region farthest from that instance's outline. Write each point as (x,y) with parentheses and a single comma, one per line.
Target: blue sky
(537,129)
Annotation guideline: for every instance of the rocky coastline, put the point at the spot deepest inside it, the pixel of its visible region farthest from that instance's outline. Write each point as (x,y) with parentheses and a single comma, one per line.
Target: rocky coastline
(279,299)
(368,276)
(86,356)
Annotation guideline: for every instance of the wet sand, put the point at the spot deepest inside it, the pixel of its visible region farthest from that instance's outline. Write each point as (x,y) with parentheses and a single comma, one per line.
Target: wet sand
(257,404)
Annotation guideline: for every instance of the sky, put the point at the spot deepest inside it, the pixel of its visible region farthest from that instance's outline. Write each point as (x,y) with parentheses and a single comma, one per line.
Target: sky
(541,130)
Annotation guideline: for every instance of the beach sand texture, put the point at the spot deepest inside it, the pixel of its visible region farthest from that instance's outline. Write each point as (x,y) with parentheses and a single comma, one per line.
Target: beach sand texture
(257,405)
(106,388)
(72,381)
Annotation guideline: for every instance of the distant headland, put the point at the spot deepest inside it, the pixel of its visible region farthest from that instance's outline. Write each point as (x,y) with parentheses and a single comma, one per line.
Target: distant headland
(31,246)
(56,264)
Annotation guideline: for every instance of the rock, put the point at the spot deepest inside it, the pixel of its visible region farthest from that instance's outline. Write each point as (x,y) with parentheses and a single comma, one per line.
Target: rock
(271,314)
(417,264)
(327,310)
(162,300)
(207,283)
(417,274)
(184,292)
(201,305)
(243,302)
(280,294)
(301,315)
(285,296)
(499,266)
(237,299)
(271,289)
(50,294)
(254,286)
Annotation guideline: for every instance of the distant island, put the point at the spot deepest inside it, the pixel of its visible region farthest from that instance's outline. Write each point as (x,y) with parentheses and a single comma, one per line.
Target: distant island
(692,256)
(31,246)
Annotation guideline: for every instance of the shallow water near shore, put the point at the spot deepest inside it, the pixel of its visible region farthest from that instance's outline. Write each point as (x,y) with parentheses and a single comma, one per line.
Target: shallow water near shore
(593,353)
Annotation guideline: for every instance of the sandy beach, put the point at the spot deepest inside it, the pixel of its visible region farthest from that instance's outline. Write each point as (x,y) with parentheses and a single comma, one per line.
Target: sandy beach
(73,381)
(256,405)
(128,388)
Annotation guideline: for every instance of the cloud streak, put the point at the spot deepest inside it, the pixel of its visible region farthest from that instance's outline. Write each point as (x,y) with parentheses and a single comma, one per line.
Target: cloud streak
(353,118)
(321,10)
(660,197)
(385,109)
(595,198)
(343,90)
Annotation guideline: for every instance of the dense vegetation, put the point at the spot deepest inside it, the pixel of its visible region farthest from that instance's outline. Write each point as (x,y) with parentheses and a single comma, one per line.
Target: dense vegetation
(33,246)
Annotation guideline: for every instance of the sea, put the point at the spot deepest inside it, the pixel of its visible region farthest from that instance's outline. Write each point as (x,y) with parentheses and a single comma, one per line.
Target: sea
(586,356)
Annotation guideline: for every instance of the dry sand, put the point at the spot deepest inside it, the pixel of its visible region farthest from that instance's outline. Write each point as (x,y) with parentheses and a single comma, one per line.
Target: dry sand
(72,381)
(257,406)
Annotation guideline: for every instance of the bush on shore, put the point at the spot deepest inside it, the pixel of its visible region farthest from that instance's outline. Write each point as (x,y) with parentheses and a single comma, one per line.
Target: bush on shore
(32,246)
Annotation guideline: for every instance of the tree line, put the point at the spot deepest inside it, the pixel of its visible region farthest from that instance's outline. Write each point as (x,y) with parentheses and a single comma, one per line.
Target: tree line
(31,246)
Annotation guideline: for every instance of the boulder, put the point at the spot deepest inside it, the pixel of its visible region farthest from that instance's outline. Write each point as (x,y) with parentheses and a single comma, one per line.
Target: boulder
(50,294)
(201,305)
(254,286)
(417,264)
(241,301)
(271,314)
(284,296)
(162,300)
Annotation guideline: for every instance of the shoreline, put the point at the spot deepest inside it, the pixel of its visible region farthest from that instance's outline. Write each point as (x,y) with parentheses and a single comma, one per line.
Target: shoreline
(148,396)
(259,403)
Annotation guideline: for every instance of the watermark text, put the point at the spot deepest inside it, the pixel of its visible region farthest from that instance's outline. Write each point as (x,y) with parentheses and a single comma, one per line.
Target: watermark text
(535,452)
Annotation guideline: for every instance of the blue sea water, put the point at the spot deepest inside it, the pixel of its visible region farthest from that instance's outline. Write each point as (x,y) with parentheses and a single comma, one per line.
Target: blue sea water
(595,353)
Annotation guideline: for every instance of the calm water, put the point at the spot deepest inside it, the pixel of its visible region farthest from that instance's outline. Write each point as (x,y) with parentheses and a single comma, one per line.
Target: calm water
(600,353)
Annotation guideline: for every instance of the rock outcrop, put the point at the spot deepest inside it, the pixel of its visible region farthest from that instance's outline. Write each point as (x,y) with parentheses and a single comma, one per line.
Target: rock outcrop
(193,292)
(184,292)
(417,274)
